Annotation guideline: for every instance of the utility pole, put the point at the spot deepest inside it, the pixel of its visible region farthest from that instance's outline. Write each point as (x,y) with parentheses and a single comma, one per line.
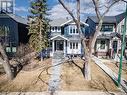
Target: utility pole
(122,48)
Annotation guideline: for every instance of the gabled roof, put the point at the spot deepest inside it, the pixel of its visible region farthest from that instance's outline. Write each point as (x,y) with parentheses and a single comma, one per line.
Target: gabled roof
(59,36)
(71,21)
(61,22)
(17,18)
(109,19)
(58,22)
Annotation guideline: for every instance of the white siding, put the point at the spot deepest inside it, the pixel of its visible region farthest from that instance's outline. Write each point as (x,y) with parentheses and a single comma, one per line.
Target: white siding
(73,51)
(119,27)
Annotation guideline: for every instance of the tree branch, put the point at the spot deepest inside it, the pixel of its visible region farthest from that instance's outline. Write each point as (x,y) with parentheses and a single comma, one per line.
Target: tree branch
(66,8)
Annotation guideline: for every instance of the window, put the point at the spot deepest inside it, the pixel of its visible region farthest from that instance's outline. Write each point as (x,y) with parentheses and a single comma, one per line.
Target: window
(73,45)
(7,6)
(70,30)
(58,28)
(76,30)
(115,46)
(53,28)
(70,45)
(107,28)
(13,49)
(76,45)
(102,45)
(8,49)
(73,30)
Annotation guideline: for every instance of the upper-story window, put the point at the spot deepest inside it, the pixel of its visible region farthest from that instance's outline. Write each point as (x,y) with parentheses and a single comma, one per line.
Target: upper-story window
(70,30)
(55,29)
(52,28)
(73,30)
(6,6)
(107,28)
(58,28)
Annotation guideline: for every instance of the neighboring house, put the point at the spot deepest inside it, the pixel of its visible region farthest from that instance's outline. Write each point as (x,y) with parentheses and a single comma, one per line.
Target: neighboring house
(65,37)
(15,27)
(108,42)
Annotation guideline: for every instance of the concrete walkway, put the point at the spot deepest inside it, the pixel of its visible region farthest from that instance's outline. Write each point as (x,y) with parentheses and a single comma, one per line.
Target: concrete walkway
(58,58)
(113,75)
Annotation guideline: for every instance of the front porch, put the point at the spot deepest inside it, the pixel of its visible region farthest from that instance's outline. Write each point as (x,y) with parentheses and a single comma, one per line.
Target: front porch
(59,43)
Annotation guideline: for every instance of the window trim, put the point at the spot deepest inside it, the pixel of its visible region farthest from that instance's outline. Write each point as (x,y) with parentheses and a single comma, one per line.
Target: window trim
(6,7)
(74,45)
(107,28)
(73,30)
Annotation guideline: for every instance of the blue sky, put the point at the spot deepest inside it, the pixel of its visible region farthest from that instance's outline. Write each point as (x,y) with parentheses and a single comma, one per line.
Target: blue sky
(57,11)
(22,6)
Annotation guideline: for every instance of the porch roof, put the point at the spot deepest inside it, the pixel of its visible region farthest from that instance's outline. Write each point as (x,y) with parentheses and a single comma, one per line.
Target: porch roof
(59,37)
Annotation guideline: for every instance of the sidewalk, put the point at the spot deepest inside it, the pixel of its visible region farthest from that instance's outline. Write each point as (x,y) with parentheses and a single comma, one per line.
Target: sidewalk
(107,70)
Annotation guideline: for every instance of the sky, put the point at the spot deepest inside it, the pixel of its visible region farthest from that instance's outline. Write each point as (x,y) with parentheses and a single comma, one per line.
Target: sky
(57,11)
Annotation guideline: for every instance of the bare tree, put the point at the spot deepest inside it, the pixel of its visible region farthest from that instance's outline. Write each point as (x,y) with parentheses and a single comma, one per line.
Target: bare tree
(90,48)
(5,61)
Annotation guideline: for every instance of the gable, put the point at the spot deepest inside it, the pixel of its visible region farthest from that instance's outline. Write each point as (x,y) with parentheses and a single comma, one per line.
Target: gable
(58,37)
(72,22)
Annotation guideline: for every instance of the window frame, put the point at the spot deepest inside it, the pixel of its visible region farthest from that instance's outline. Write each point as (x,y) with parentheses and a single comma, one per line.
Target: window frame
(6,7)
(70,45)
(107,28)
(74,45)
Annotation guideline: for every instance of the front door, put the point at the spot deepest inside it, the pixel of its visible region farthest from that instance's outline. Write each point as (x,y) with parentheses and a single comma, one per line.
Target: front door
(115,46)
(59,45)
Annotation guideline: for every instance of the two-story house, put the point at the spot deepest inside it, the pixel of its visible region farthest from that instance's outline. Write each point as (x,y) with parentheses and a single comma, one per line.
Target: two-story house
(65,37)
(13,28)
(108,42)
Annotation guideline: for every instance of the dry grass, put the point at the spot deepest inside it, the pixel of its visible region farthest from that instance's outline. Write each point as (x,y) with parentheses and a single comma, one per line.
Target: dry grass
(73,79)
(27,80)
(114,67)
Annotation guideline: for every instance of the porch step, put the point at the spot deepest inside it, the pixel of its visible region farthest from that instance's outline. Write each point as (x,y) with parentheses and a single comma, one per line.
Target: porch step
(58,55)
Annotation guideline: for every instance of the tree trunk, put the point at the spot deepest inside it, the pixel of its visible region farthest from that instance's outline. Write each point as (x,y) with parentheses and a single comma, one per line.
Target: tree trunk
(40,36)
(93,39)
(86,68)
(5,62)
(87,62)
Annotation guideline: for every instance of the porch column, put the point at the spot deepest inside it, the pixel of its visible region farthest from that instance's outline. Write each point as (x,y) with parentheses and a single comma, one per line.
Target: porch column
(64,47)
(111,48)
(53,46)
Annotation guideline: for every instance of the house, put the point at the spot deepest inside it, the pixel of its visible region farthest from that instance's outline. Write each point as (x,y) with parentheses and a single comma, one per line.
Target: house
(65,37)
(108,42)
(15,27)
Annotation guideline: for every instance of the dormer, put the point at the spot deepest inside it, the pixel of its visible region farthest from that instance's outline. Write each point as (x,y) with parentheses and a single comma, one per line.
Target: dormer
(6,6)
